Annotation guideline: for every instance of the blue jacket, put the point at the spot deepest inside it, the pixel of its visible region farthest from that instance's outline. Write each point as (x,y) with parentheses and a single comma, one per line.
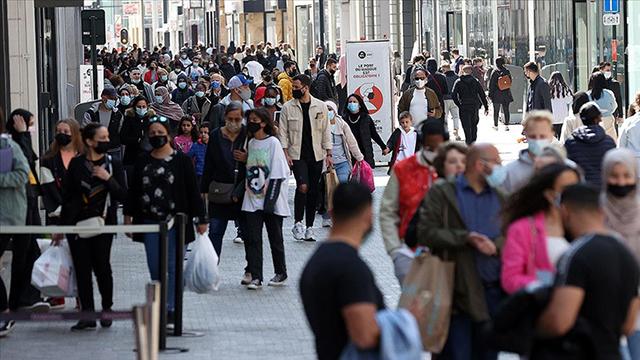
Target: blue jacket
(587,149)
(399,339)
(197,152)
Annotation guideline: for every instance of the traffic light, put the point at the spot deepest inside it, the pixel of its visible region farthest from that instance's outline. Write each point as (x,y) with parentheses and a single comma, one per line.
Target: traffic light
(124,36)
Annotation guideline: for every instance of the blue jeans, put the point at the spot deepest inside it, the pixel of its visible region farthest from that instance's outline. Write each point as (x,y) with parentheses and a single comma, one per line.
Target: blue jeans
(152,248)
(343,170)
(632,351)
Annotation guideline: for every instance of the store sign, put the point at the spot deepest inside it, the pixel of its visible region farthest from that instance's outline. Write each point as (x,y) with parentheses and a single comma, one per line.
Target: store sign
(611,6)
(611,19)
(86,82)
(369,75)
(130,9)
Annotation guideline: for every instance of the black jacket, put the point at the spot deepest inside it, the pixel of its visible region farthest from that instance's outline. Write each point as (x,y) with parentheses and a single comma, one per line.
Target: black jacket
(467,92)
(539,95)
(451,78)
(364,130)
(228,71)
(495,94)
(614,86)
(587,149)
(133,135)
(114,125)
(51,188)
(393,144)
(324,87)
(184,188)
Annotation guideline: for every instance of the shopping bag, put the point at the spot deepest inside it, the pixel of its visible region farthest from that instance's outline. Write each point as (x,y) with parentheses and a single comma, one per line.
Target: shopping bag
(331,182)
(201,273)
(363,173)
(430,281)
(53,273)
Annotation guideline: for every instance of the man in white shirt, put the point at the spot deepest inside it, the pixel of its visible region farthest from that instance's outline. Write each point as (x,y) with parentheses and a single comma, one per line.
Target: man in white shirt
(419,100)
(630,135)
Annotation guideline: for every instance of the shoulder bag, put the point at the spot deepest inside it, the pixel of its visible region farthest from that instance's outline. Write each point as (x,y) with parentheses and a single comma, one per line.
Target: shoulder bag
(97,222)
(223,193)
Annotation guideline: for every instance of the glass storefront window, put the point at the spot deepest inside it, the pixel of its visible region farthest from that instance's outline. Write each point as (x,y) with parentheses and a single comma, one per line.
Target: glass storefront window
(553,38)
(633,50)
(513,31)
(480,29)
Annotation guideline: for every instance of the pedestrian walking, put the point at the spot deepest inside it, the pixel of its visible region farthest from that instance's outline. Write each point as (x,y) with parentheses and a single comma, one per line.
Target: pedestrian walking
(240,92)
(323,86)
(164,106)
(305,135)
(91,191)
(312,70)
(163,80)
(163,184)
(450,107)
(363,128)
(403,141)
(133,133)
(615,87)
(437,82)
(539,93)
(533,225)
(561,100)
(573,121)
(468,95)
(198,151)
(285,80)
(266,197)
(459,221)
(500,93)
(182,92)
(187,135)
(606,101)
(143,87)
(198,105)
(105,112)
(272,103)
(630,134)
(421,101)
(125,98)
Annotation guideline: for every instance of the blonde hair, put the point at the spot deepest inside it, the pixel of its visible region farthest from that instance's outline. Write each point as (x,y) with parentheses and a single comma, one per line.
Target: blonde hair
(538,116)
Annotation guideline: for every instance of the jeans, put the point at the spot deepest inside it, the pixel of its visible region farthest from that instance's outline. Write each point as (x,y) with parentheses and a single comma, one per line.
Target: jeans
(505,112)
(25,252)
(469,117)
(273,223)
(217,228)
(91,256)
(343,170)
(307,172)
(451,108)
(465,340)
(152,248)
(632,351)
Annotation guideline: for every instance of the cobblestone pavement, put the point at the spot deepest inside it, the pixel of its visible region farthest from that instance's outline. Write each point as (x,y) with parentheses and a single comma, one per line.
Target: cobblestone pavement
(236,323)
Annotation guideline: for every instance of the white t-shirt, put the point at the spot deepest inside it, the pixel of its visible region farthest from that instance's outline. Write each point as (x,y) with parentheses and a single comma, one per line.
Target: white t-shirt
(560,108)
(266,161)
(407,144)
(556,246)
(419,107)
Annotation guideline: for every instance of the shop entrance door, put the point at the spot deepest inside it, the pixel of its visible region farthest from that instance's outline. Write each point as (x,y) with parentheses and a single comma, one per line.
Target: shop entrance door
(454,31)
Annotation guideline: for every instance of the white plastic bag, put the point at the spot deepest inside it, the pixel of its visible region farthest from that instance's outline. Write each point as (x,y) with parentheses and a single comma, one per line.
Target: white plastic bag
(53,273)
(201,273)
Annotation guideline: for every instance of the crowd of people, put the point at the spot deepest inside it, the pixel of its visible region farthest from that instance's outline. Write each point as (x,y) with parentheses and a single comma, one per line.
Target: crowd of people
(216,133)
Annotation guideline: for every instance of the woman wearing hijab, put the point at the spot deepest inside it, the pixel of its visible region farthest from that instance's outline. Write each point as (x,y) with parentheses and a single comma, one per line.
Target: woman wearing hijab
(163,106)
(621,203)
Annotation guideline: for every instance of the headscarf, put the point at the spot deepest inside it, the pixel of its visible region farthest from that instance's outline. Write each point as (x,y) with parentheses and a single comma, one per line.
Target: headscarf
(623,214)
(167,108)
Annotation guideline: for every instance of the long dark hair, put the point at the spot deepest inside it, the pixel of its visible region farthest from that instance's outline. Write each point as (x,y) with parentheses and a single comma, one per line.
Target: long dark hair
(580,98)
(559,88)
(26,114)
(598,84)
(195,132)
(76,139)
(265,117)
(363,108)
(530,200)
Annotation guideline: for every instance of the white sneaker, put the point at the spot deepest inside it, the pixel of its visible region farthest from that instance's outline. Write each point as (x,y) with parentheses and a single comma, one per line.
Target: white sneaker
(327,223)
(238,240)
(308,235)
(298,231)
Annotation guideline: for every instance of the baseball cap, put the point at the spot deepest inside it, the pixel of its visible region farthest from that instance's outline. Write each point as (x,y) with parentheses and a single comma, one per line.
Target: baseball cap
(109,91)
(237,81)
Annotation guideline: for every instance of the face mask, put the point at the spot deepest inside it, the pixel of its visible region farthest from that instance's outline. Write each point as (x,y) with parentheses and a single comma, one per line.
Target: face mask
(184,56)
(353,107)
(331,115)
(157,142)
(164,77)
(332,71)
(233,126)
(110,104)
(269,101)
(497,177)
(420,83)
(199,94)
(102,147)
(292,73)
(429,155)
(125,100)
(141,111)
(297,94)
(253,127)
(537,145)
(245,94)
(177,71)
(182,85)
(266,79)
(135,81)
(215,84)
(607,74)
(195,65)
(159,99)
(620,191)
(63,139)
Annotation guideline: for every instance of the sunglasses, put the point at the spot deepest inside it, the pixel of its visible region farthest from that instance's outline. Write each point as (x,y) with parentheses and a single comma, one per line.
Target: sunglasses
(158,118)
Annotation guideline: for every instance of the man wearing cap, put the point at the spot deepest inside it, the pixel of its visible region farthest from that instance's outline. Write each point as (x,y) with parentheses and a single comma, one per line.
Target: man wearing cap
(239,92)
(106,113)
(590,143)
(468,95)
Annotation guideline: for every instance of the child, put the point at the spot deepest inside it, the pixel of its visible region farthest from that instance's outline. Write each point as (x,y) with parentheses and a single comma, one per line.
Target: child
(188,134)
(199,149)
(403,142)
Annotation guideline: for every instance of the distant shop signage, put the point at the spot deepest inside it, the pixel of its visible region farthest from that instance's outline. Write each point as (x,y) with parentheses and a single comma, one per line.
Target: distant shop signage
(611,19)
(369,75)
(86,82)
(611,6)
(130,9)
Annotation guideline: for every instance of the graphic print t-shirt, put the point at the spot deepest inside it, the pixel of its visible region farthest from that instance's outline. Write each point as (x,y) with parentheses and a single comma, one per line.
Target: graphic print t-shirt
(266,161)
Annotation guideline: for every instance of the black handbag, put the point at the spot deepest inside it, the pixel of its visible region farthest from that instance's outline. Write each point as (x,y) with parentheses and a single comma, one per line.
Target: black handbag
(224,193)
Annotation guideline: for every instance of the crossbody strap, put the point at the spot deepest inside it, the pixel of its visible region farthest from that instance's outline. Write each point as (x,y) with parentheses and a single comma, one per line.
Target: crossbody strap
(107,202)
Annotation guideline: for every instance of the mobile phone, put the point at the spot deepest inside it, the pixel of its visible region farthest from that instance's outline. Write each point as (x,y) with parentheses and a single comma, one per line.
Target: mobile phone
(276,117)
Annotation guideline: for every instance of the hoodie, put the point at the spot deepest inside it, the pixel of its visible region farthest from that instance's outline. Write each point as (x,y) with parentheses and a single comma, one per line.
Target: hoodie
(519,172)
(179,96)
(467,92)
(587,149)
(284,82)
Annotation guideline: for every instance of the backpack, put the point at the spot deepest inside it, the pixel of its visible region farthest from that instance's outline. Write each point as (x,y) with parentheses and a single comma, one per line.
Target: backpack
(6,156)
(504,82)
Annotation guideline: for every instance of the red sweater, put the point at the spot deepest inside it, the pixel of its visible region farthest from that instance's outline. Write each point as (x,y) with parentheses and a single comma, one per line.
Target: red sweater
(415,180)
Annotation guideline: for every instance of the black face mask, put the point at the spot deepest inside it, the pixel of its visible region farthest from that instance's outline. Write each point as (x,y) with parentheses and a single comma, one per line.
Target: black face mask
(297,94)
(620,191)
(102,147)
(292,73)
(63,139)
(157,142)
(253,127)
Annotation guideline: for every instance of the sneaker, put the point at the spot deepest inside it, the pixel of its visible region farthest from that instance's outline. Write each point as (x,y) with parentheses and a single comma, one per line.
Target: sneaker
(255,285)
(55,303)
(6,327)
(246,279)
(106,323)
(494,127)
(308,235)
(83,325)
(298,231)
(456,135)
(38,307)
(278,280)
(238,240)
(327,223)
(506,128)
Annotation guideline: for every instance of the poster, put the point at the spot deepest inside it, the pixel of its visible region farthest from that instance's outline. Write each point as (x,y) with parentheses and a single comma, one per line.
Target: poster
(369,75)
(86,82)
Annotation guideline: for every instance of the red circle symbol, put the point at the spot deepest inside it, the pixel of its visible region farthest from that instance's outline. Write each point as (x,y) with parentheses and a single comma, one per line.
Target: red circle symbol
(372,97)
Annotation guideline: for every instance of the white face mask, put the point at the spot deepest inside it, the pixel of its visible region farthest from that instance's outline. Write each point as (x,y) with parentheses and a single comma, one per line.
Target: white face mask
(607,74)
(429,155)
(421,83)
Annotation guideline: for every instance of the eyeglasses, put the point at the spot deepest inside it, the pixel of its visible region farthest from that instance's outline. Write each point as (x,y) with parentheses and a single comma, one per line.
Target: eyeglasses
(158,118)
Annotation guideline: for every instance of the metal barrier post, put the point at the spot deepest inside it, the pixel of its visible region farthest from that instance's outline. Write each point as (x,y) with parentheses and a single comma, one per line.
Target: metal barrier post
(164,251)
(141,330)
(153,312)
(179,286)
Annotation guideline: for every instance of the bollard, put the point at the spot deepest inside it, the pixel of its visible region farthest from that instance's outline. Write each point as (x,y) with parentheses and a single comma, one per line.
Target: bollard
(152,316)
(179,286)
(164,254)
(141,327)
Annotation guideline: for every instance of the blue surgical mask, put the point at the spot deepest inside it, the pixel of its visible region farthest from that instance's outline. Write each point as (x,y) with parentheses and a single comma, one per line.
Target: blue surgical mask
(199,94)
(159,99)
(269,101)
(215,84)
(110,104)
(141,111)
(125,100)
(497,177)
(164,77)
(331,115)
(182,85)
(353,107)
(536,146)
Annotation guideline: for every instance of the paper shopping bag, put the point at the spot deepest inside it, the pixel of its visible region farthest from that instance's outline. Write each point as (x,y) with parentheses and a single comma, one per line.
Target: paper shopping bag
(330,184)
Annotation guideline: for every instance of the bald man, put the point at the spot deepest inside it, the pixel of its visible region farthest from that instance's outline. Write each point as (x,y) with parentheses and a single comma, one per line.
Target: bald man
(459,221)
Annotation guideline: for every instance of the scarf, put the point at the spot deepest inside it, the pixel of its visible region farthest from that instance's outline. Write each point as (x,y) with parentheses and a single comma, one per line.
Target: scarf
(167,108)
